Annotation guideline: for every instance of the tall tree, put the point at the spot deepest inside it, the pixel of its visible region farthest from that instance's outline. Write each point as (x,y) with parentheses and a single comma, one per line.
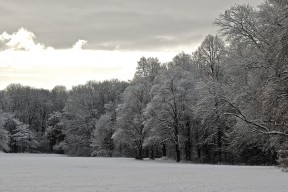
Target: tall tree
(102,142)
(210,56)
(59,96)
(256,40)
(55,132)
(170,106)
(147,67)
(79,118)
(85,105)
(130,120)
(4,137)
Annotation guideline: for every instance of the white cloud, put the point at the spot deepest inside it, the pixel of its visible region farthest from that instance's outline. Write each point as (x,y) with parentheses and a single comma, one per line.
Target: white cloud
(23,39)
(73,66)
(79,44)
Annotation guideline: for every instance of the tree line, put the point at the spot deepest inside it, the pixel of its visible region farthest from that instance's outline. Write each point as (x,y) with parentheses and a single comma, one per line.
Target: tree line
(224,103)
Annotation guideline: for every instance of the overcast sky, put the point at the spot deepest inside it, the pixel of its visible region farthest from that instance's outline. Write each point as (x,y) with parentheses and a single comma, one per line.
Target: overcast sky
(69,41)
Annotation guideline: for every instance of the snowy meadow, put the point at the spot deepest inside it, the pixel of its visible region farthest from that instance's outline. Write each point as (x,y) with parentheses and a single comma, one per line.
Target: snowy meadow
(57,173)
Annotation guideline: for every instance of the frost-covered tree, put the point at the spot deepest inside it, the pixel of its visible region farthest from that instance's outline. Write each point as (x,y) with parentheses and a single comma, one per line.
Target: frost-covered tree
(215,125)
(184,61)
(101,141)
(55,132)
(59,96)
(283,156)
(4,137)
(170,107)
(209,57)
(225,102)
(31,106)
(256,40)
(147,67)
(130,119)
(256,31)
(79,118)
(86,104)
(10,125)
(17,136)
(24,138)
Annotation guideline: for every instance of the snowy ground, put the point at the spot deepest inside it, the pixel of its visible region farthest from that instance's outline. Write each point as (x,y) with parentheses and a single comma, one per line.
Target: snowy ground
(55,173)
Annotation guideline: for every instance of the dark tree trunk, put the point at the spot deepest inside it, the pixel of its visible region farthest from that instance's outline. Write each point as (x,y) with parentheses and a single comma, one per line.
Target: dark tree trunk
(152,153)
(188,147)
(199,153)
(219,136)
(178,154)
(164,151)
(140,153)
(197,140)
(219,143)
(188,143)
(147,152)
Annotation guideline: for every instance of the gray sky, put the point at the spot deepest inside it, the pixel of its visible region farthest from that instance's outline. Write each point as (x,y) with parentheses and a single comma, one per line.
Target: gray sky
(68,42)
(116,24)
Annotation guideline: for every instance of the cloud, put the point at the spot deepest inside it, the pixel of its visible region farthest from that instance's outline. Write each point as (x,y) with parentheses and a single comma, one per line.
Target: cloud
(79,44)
(23,39)
(114,24)
(71,66)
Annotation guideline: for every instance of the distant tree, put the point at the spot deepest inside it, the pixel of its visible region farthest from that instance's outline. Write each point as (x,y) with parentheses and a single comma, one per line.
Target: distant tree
(79,116)
(210,56)
(24,138)
(184,61)
(130,119)
(18,136)
(147,67)
(210,59)
(30,106)
(102,142)
(10,125)
(85,105)
(59,96)
(170,106)
(55,132)
(4,135)
(215,125)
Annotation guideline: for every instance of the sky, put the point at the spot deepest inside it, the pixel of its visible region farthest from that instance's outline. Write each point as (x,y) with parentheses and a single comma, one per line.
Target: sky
(68,42)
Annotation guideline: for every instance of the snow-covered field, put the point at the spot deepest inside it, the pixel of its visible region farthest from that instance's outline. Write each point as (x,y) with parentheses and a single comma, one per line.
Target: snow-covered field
(56,173)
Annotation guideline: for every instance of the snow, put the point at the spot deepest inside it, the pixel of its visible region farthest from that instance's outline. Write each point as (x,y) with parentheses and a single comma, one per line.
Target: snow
(57,173)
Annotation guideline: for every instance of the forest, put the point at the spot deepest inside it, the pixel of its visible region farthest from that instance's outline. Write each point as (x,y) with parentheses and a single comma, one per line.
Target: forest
(225,103)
